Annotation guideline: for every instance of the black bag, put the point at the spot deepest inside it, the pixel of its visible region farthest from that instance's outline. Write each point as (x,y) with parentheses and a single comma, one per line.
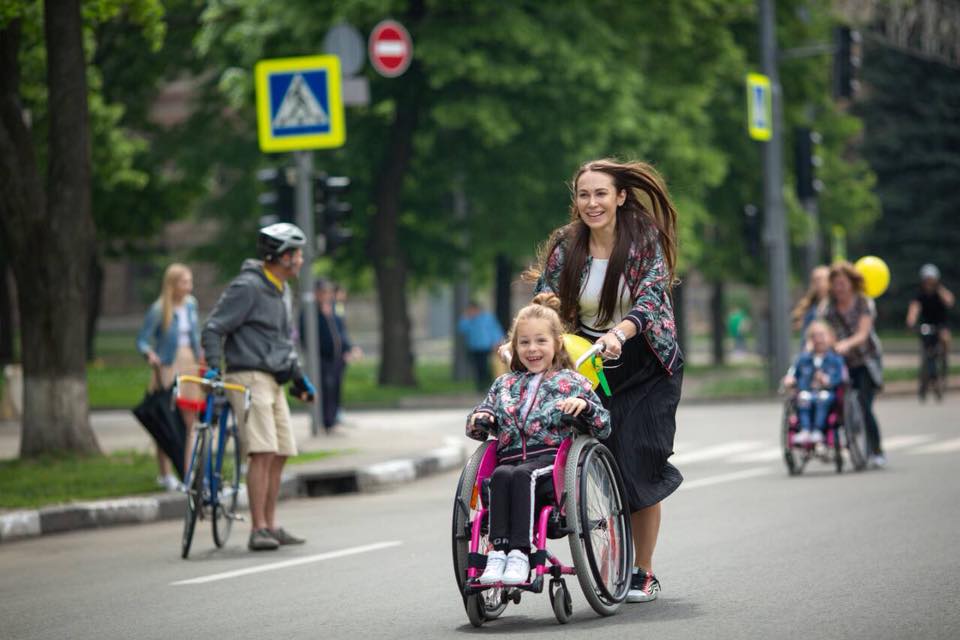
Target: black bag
(162,420)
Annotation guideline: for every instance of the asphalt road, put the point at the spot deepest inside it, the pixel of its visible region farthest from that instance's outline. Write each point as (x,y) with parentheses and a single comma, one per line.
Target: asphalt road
(745,552)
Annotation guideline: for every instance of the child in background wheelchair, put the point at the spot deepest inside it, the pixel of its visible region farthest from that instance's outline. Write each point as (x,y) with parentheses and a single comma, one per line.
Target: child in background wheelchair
(815,378)
(530,411)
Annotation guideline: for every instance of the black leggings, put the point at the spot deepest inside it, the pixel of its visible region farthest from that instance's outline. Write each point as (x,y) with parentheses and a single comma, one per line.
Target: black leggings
(862,382)
(514,489)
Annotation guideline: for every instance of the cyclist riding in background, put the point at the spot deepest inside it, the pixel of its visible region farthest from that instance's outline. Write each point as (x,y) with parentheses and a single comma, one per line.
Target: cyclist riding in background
(931,304)
(252,323)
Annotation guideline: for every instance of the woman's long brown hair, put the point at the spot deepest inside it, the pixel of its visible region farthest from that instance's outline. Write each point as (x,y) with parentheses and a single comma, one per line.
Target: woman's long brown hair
(646,216)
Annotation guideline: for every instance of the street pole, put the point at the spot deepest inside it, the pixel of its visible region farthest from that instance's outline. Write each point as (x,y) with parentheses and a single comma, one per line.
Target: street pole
(308,302)
(812,257)
(776,228)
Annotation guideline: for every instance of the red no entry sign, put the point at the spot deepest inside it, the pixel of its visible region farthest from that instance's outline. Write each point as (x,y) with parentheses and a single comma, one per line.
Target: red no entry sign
(390,48)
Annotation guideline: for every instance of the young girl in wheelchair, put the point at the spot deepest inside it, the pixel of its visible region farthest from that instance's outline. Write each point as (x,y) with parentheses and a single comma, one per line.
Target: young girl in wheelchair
(530,410)
(816,374)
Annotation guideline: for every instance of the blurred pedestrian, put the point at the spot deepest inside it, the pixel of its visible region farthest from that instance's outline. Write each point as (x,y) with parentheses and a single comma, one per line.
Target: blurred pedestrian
(170,341)
(249,328)
(483,335)
(613,267)
(808,306)
(850,314)
(738,324)
(336,351)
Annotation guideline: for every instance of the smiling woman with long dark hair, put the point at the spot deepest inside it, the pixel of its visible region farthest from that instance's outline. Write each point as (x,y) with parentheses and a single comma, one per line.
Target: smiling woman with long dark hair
(613,267)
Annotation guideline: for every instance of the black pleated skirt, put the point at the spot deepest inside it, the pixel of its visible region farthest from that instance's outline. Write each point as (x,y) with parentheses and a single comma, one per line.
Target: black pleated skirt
(643,413)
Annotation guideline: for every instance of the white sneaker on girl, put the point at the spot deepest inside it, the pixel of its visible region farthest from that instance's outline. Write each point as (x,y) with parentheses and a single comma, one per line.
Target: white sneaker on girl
(518,568)
(496,562)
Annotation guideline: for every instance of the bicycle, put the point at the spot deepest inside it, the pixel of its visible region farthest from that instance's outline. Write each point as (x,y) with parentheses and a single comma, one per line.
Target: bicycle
(212,479)
(933,361)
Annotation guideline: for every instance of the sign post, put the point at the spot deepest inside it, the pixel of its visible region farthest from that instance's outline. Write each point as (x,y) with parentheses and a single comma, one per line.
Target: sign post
(300,108)
(759,107)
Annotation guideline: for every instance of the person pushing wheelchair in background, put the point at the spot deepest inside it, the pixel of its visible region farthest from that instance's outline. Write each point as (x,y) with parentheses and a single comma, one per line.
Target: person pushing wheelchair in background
(530,410)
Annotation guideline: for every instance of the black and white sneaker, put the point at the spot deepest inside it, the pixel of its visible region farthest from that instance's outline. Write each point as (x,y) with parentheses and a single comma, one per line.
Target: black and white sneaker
(644,587)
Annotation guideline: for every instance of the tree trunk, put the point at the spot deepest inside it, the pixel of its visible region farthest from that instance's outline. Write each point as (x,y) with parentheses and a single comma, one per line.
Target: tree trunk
(718,322)
(48,235)
(6,316)
(93,304)
(389,259)
(501,294)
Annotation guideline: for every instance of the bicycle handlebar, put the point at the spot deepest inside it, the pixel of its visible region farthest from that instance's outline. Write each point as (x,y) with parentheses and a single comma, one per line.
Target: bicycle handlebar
(212,384)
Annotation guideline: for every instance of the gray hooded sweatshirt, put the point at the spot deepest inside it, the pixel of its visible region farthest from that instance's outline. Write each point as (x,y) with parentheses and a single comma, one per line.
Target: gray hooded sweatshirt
(251,323)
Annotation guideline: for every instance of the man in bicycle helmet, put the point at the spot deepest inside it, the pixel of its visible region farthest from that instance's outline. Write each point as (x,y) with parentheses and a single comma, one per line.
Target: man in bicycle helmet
(931,304)
(250,329)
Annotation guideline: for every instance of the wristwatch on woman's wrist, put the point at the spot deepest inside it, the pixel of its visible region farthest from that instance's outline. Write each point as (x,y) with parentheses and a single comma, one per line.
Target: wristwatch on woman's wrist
(619,335)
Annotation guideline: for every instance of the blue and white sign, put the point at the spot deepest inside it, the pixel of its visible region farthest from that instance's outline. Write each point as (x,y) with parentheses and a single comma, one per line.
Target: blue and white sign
(299,104)
(759,107)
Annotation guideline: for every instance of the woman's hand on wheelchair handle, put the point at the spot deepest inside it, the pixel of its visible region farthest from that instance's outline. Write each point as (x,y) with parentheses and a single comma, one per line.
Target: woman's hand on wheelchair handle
(611,346)
(484,418)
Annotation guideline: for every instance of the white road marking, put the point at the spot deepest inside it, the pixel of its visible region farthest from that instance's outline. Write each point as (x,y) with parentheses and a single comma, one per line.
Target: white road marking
(288,563)
(902,442)
(947,446)
(764,455)
(716,451)
(726,477)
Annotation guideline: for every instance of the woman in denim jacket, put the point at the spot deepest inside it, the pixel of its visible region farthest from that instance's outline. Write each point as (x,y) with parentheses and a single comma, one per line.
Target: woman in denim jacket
(170,341)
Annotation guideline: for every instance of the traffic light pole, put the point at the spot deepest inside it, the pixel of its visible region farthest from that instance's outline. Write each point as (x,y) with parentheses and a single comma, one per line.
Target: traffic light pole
(308,301)
(776,229)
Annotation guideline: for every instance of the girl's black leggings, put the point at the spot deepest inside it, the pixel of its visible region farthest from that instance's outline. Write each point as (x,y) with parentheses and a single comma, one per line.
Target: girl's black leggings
(514,489)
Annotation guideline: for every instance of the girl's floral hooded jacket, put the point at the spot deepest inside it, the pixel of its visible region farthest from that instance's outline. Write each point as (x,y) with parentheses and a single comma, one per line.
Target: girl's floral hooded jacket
(521,434)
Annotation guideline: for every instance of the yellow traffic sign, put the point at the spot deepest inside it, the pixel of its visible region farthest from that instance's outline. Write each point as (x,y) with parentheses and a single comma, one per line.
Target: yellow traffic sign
(299,104)
(759,107)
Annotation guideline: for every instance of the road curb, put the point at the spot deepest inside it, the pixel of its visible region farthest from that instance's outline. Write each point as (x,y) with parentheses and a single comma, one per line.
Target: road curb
(30,523)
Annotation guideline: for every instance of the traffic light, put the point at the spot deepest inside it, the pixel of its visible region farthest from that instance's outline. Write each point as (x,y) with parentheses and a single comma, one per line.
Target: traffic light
(807,162)
(846,62)
(332,211)
(276,195)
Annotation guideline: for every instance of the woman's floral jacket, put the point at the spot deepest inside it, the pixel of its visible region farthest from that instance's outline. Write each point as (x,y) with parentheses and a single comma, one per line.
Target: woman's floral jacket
(543,426)
(647,279)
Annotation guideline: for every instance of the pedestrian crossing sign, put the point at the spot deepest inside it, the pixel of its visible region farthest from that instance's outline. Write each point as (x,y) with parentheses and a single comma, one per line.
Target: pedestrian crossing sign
(299,104)
(759,107)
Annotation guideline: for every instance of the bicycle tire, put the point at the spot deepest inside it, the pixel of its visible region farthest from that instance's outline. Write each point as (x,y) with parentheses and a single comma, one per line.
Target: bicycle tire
(228,486)
(194,491)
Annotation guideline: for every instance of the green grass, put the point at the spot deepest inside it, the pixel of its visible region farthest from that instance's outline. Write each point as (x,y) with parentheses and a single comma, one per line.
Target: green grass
(53,480)
(311,456)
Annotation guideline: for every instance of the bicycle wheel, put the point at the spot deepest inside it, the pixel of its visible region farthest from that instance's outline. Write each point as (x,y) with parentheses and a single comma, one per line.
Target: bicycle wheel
(228,485)
(793,468)
(194,490)
(940,382)
(601,542)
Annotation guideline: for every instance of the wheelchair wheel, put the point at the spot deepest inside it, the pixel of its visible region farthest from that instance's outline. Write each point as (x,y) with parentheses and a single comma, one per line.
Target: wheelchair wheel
(793,467)
(601,542)
(490,603)
(854,430)
(560,601)
(837,451)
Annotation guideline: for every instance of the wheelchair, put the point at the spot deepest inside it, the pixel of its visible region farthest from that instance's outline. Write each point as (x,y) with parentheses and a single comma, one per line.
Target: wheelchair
(586,504)
(845,430)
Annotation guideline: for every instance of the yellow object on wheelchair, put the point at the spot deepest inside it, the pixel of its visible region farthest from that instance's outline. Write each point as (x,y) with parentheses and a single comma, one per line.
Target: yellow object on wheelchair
(592,369)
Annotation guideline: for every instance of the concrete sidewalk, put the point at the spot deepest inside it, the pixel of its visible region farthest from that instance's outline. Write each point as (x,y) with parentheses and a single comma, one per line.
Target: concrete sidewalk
(372,450)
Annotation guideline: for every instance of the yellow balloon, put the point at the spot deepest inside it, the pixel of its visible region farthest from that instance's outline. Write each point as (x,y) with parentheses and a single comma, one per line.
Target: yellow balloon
(876,275)
(576,347)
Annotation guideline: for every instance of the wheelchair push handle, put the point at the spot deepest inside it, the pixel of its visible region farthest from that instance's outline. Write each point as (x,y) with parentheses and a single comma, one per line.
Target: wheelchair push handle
(597,349)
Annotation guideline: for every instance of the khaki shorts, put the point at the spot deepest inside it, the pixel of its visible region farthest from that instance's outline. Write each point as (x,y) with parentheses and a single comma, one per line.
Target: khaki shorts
(267,428)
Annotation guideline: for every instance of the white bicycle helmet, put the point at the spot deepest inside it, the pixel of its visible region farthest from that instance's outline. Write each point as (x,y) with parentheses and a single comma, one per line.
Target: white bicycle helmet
(277,239)
(929,271)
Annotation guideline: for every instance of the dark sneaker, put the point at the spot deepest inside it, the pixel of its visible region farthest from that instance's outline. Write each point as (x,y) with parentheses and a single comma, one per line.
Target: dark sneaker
(283,537)
(262,540)
(644,587)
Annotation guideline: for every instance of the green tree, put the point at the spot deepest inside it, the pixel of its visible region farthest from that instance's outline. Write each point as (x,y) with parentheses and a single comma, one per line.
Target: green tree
(48,231)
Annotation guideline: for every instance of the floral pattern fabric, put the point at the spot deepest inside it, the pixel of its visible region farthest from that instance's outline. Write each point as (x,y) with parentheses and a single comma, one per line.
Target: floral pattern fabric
(647,278)
(543,426)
